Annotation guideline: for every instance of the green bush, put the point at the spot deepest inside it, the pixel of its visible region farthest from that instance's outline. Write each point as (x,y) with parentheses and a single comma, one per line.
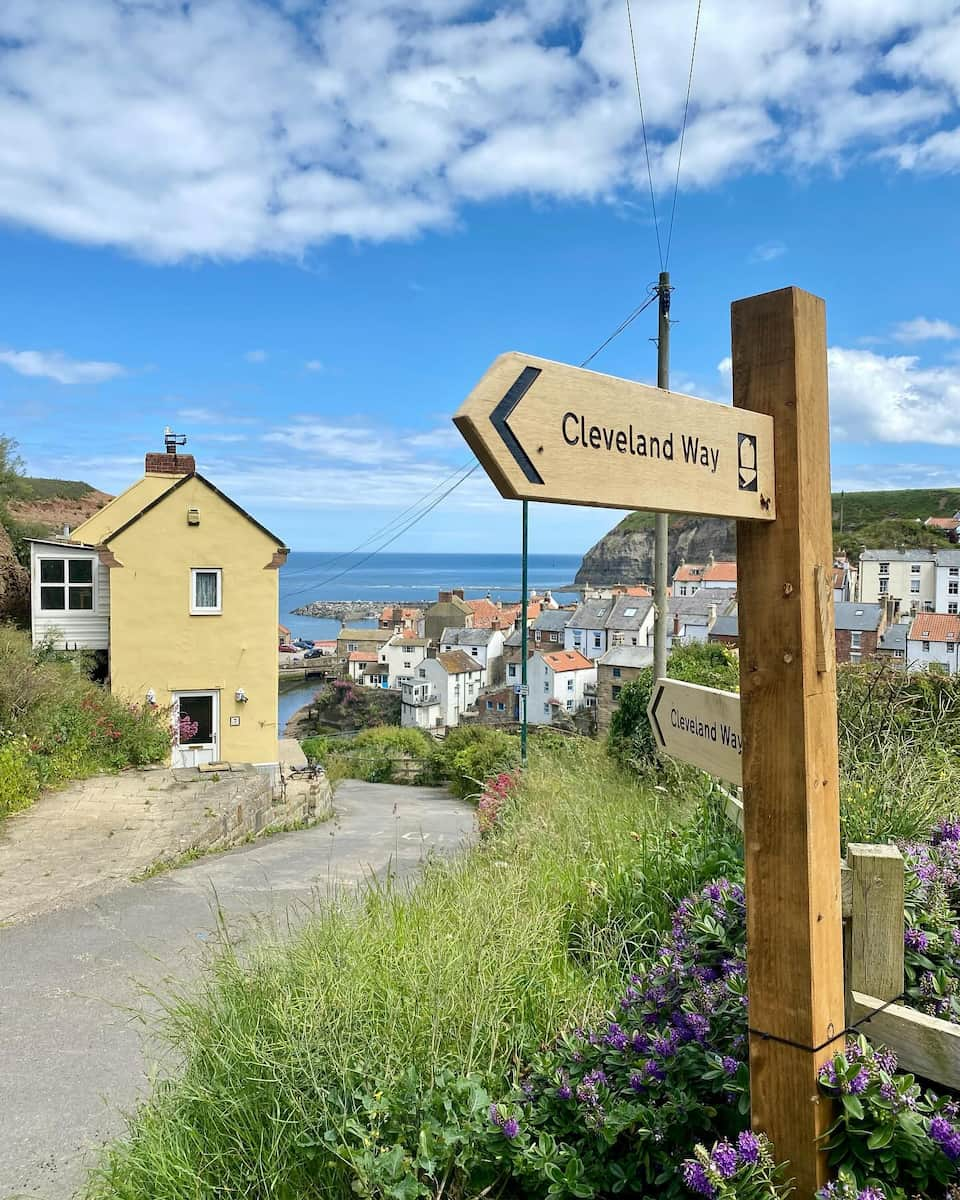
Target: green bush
(66,726)
(316,748)
(630,739)
(19,783)
(470,754)
(391,739)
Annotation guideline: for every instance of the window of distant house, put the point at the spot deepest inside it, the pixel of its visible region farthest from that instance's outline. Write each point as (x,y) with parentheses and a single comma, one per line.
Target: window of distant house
(577,638)
(955,571)
(914,586)
(616,672)
(513,670)
(500,706)
(952,586)
(914,568)
(474,650)
(926,647)
(422,673)
(569,706)
(884,585)
(885,568)
(950,646)
(66,584)
(546,685)
(952,608)
(546,710)
(615,692)
(855,640)
(554,637)
(928,606)
(490,705)
(205,590)
(596,640)
(406,664)
(569,685)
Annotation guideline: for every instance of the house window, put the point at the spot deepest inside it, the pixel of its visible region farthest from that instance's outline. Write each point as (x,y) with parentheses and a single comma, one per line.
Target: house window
(569,706)
(66,584)
(914,586)
(954,572)
(914,568)
(928,606)
(884,586)
(953,585)
(952,608)
(490,705)
(500,706)
(474,650)
(926,647)
(206,590)
(512,671)
(406,664)
(615,692)
(616,672)
(855,640)
(422,673)
(950,646)
(569,685)
(554,637)
(885,568)
(546,710)
(546,685)
(577,638)
(596,640)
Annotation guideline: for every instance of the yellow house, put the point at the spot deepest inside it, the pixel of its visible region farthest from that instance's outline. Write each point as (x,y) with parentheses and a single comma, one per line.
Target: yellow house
(180,587)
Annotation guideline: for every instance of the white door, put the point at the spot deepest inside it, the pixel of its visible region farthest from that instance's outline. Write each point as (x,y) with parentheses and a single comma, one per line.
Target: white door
(196,724)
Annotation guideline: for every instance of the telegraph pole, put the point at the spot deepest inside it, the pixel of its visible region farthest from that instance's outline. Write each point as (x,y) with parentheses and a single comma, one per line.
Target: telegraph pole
(523,639)
(660,519)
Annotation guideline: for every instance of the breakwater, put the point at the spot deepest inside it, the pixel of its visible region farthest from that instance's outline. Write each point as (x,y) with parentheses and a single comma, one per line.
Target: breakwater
(352,610)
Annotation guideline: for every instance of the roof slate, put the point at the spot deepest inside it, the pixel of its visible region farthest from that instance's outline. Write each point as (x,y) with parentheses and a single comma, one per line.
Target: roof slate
(455,662)
(857,617)
(627,656)
(467,637)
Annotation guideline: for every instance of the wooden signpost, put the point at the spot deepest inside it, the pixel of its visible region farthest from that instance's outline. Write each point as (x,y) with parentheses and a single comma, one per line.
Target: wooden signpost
(549,432)
(545,431)
(700,725)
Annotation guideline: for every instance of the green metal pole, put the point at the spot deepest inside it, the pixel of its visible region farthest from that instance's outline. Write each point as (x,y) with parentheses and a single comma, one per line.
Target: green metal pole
(523,639)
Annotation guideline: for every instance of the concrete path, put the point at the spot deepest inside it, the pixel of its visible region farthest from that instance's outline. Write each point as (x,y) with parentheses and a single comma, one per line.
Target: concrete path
(73,1048)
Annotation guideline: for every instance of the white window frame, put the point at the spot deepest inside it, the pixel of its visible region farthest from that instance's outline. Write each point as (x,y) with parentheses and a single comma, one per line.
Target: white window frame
(884,585)
(915,587)
(953,587)
(66,585)
(195,609)
(914,568)
(952,607)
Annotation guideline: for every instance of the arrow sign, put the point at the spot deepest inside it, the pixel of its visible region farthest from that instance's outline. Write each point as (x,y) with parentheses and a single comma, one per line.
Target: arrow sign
(698,725)
(550,432)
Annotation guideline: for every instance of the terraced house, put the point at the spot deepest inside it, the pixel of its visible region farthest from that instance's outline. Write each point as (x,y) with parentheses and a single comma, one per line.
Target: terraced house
(175,588)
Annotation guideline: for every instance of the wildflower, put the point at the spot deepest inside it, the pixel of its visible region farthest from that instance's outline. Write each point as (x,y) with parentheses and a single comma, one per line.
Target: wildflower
(915,939)
(636,1082)
(730,1065)
(510,1128)
(858,1084)
(748,1145)
(616,1038)
(946,1137)
(564,1091)
(495,1116)
(695,1177)
(886,1059)
(725,1159)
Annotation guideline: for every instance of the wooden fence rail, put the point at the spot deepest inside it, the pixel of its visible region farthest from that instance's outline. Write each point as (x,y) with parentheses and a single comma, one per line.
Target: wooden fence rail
(872,890)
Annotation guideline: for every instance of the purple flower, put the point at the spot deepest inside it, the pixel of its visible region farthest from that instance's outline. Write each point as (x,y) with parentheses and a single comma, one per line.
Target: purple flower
(858,1084)
(870,1193)
(828,1074)
(748,1144)
(636,1082)
(944,1134)
(915,939)
(510,1128)
(653,1071)
(886,1060)
(725,1159)
(616,1038)
(730,1065)
(564,1091)
(495,1115)
(695,1177)
(946,831)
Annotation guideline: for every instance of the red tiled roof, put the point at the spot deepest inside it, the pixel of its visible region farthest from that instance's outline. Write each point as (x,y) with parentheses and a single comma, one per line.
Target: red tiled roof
(688,571)
(403,614)
(283,629)
(942,522)
(639,590)
(567,660)
(721,572)
(935,627)
(361,656)
(331,645)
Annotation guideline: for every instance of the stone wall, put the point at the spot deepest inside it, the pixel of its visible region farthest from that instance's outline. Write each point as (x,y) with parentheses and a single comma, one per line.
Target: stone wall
(245,804)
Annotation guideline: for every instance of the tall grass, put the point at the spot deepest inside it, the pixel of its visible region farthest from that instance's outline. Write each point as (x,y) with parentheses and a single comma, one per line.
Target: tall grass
(464,975)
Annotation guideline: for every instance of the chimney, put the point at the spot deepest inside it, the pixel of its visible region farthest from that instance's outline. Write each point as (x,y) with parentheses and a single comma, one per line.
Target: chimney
(170,464)
(458,592)
(445,597)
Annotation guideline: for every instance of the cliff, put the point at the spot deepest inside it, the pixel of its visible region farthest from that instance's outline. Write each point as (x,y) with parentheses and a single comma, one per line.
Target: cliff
(625,554)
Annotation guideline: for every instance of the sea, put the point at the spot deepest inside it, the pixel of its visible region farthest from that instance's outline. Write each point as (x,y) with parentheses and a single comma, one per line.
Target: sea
(404,579)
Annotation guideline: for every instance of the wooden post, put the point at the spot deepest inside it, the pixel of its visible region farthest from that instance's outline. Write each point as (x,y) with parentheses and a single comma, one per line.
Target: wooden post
(789,722)
(876,921)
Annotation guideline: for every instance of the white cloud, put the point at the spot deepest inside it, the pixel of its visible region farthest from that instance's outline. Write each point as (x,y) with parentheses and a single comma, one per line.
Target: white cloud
(314,364)
(923,329)
(874,398)
(767,251)
(236,127)
(52,364)
(256,356)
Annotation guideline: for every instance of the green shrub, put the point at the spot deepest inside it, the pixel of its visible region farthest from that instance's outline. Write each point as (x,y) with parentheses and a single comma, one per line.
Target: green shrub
(470,754)
(316,748)
(391,739)
(630,739)
(19,783)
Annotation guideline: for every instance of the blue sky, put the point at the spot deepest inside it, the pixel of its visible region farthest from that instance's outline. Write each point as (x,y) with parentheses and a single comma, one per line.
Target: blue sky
(300,232)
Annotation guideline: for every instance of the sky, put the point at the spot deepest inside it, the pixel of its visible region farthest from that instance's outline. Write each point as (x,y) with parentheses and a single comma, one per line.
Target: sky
(299,233)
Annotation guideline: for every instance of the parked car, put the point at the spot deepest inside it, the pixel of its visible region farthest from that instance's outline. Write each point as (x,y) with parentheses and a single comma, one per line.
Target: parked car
(314,654)
(303,643)
(286,648)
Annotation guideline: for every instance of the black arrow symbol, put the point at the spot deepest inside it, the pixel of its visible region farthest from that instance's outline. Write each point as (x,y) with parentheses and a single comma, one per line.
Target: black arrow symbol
(498,418)
(653,714)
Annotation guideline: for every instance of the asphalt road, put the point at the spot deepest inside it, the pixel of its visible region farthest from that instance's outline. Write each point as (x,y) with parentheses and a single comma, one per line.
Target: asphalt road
(75,985)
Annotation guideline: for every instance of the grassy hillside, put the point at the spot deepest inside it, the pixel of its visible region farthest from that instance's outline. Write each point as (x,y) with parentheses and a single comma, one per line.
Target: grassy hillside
(50,489)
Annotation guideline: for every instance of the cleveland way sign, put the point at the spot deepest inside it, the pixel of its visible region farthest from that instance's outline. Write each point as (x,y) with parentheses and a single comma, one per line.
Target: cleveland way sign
(699,725)
(546,431)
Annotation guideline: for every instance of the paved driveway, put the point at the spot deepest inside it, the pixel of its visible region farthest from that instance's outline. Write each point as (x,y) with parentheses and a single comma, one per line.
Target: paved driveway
(73,1052)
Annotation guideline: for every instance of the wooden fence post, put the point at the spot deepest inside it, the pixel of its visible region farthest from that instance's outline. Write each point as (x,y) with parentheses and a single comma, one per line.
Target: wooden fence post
(876,921)
(789,721)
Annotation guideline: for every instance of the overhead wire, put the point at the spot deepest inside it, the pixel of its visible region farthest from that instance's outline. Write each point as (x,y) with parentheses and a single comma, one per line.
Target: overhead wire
(683,130)
(643,127)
